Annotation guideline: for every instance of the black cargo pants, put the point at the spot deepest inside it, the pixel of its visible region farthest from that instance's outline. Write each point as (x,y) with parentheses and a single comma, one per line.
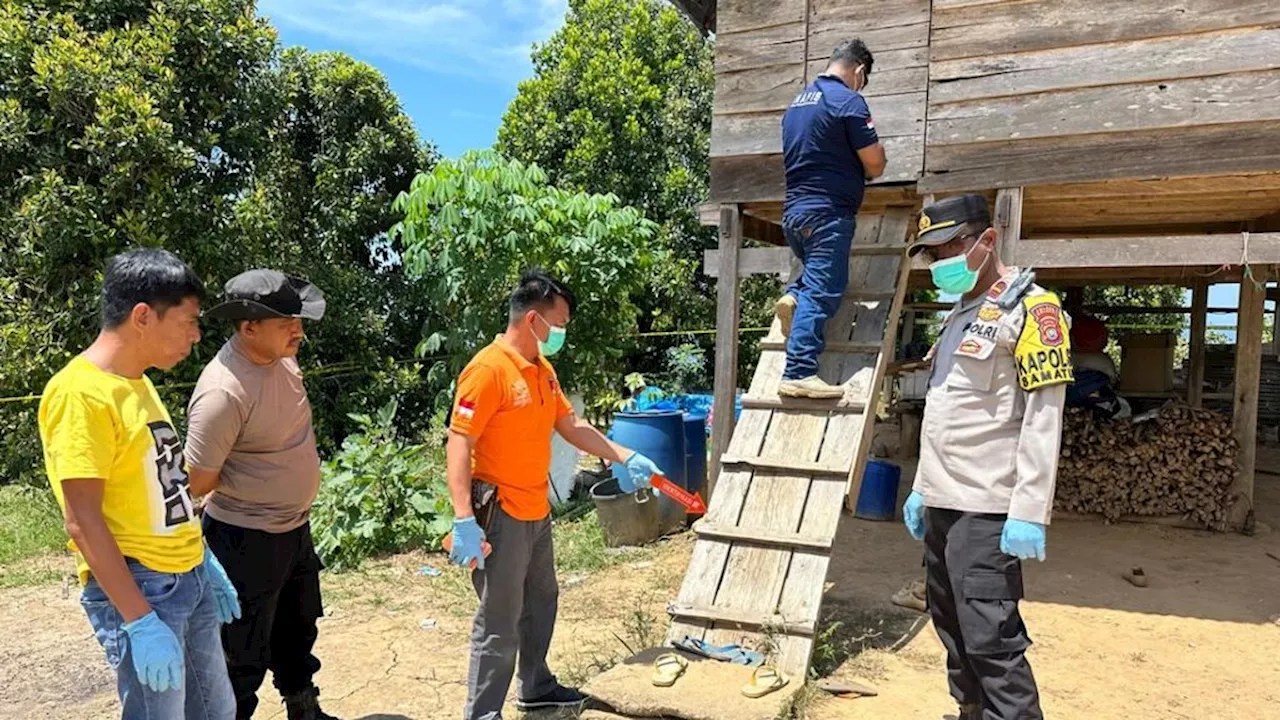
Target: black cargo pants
(277,576)
(973,590)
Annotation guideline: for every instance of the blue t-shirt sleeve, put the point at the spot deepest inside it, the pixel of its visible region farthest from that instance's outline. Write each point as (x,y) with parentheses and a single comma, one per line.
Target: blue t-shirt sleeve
(857,120)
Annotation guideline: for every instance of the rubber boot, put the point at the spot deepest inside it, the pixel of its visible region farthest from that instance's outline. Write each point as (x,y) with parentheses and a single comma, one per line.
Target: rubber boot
(305,705)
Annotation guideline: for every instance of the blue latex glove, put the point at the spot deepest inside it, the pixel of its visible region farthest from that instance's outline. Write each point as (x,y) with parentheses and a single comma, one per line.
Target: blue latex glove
(224,593)
(913,515)
(1023,540)
(468,541)
(157,656)
(634,474)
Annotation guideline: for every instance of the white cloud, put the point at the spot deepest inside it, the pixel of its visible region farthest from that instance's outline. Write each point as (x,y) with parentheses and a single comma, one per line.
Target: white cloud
(488,39)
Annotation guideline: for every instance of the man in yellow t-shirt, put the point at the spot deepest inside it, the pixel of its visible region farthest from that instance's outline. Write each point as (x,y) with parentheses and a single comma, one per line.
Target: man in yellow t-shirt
(156,598)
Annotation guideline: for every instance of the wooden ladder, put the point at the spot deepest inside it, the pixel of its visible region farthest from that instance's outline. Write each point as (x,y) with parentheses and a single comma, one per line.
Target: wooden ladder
(760,559)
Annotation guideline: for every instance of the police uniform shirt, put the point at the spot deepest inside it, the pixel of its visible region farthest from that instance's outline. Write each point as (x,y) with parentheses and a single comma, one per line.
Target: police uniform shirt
(992,424)
(953,331)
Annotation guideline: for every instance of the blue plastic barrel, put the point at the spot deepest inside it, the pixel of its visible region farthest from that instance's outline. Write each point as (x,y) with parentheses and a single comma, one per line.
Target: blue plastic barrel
(660,437)
(695,450)
(878,498)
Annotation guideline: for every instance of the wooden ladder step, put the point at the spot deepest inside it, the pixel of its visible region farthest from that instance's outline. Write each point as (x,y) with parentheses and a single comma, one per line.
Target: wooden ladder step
(832,347)
(798,467)
(780,403)
(761,537)
(744,618)
(894,249)
(869,295)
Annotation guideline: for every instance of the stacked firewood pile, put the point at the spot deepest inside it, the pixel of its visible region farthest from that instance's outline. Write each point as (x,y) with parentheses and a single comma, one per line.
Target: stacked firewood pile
(1182,461)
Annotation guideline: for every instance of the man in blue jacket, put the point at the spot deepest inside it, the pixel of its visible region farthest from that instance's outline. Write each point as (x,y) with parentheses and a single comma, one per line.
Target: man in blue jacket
(830,150)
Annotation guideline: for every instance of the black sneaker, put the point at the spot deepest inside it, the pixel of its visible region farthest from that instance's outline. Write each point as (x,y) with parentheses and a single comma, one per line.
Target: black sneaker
(560,697)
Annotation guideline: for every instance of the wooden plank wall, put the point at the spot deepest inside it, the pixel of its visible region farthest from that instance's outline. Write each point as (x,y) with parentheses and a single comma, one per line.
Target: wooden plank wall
(1027,92)
(768,50)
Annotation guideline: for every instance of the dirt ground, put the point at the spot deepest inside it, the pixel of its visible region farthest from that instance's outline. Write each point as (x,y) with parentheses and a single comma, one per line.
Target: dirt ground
(1199,643)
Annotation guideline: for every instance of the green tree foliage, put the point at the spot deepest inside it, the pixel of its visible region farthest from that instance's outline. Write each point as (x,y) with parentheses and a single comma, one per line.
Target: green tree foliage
(620,102)
(337,153)
(380,495)
(471,225)
(179,124)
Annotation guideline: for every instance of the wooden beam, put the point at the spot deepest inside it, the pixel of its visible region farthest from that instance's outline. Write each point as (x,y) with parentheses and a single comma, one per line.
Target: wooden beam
(760,230)
(795,467)
(989,28)
(1092,309)
(1064,277)
(1009,222)
(744,618)
(1275,337)
(803,404)
(1153,105)
(778,260)
(1166,152)
(1084,65)
(1195,360)
(1146,251)
(831,347)
(728,315)
(790,540)
(1247,379)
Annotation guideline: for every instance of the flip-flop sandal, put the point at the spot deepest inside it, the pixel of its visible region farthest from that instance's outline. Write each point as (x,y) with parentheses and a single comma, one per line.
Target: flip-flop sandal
(734,654)
(764,680)
(908,598)
(1136,577)
(846,689)
(668,668)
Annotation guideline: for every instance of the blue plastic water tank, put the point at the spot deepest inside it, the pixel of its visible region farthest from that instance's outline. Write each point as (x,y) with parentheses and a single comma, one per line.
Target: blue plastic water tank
(660,437)
(878,498)
(695,450)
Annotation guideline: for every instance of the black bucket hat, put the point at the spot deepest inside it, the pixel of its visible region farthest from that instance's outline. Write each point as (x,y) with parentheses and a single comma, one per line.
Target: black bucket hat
(265,294)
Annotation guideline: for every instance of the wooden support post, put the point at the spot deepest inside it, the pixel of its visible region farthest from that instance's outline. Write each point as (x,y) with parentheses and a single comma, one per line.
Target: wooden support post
(1248,376)
(1195,358)
(1009,222)
(1274,350)
(727,318)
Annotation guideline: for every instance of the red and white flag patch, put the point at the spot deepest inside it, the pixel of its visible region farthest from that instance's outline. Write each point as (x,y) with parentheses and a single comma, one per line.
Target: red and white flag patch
(466,409)
(871,124)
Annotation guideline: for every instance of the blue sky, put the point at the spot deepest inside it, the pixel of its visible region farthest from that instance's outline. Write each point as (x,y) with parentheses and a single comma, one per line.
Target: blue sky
(454,64)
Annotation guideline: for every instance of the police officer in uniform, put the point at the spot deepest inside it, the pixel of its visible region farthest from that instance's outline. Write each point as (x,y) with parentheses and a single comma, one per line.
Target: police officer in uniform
(988,456)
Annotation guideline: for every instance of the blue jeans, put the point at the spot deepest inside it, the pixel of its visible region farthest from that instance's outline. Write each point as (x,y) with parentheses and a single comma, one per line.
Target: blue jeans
(185,603)
(822,243)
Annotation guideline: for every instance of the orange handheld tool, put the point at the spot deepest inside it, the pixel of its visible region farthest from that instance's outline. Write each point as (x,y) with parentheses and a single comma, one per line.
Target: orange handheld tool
(691,502)
(447,544)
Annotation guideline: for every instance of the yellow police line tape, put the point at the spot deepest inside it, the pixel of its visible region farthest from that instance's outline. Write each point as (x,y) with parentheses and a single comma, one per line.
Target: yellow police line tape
(355,368)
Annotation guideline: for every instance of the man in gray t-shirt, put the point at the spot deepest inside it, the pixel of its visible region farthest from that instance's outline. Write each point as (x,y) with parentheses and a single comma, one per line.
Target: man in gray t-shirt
(252,449)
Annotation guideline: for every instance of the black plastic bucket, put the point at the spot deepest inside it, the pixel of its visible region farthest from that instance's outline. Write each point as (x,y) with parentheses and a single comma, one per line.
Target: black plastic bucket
(625,521)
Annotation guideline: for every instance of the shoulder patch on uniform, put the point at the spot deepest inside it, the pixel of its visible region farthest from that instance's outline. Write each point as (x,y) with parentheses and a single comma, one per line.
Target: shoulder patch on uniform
(1047,314)
(1043,352)
(998,289)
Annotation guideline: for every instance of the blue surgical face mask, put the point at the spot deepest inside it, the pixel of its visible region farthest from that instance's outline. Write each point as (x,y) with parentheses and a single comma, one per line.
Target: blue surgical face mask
(953,276)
